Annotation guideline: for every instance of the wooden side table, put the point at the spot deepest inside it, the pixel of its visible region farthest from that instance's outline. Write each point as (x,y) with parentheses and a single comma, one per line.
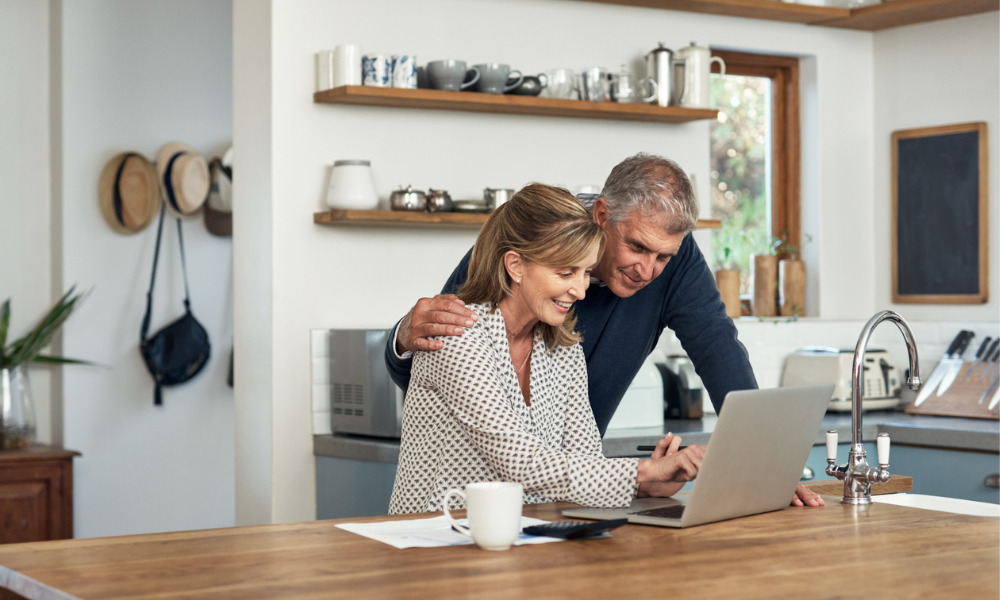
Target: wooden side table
(36,494)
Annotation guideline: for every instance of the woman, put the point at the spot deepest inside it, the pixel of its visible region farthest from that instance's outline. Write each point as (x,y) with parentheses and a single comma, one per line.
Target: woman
(507,400)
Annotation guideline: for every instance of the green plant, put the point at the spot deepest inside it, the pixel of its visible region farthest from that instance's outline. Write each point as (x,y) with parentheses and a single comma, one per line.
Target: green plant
(780,245)
(28,349)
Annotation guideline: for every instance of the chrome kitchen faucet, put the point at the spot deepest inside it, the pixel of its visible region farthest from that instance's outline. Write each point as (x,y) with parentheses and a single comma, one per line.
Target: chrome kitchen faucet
(858,476)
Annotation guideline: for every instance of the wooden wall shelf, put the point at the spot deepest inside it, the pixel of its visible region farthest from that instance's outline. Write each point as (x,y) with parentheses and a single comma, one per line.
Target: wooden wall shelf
(892,13)
(405,218)
(510,104)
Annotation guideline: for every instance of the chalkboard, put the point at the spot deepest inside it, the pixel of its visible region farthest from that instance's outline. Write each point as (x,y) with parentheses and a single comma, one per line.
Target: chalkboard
(939,215)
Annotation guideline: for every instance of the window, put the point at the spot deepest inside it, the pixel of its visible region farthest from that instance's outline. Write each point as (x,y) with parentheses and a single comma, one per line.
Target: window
(755,158)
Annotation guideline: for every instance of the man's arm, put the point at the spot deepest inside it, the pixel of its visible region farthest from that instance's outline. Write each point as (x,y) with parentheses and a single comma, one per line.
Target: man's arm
(695,312)
(443,314)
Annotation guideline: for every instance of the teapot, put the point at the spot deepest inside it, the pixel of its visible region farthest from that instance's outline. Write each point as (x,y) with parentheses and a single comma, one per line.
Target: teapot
(531,85)
(439,201)
(697,67)
(660,68)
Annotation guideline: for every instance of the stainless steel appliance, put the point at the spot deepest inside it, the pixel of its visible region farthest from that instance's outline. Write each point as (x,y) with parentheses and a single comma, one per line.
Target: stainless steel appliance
(363,399)
(813,365)
(682,389)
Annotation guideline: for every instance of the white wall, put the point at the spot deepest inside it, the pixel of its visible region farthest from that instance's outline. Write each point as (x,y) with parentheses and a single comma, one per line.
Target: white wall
(927,75)
(135,76)
(25,210)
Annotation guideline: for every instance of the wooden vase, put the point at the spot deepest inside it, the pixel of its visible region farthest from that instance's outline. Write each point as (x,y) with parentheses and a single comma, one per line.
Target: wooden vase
(764,275)
(728,281)
(792,287)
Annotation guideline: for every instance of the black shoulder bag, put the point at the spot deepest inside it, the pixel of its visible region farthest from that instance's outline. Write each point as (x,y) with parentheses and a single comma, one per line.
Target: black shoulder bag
(180,350)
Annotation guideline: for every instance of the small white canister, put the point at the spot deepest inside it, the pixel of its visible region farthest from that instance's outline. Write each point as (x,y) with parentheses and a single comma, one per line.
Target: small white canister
(352,186)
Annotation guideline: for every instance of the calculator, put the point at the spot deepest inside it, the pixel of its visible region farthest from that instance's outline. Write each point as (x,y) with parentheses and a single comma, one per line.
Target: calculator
(574,530)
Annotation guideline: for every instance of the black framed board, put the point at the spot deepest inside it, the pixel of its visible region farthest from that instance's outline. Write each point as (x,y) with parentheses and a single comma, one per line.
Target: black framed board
(939,215)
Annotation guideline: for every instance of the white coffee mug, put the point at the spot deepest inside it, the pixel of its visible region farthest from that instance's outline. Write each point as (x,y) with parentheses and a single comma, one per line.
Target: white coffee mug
(347,65)
(324,70)
(493,510)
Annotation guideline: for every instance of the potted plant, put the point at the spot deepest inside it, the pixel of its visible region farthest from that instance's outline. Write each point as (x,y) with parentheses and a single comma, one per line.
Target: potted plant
(792,281)
(727,278)
(764,279)
(17,416)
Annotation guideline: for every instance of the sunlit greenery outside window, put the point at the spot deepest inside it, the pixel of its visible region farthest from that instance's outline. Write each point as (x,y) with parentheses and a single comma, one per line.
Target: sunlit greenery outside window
(755,161)
(740,171)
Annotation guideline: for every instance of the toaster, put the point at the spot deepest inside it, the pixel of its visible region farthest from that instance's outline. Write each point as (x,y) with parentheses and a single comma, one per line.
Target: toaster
(880,381)
(363,398)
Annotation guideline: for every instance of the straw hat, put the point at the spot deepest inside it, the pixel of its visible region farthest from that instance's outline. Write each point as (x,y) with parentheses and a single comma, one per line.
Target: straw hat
(183,177)
(219,206)
(129,192)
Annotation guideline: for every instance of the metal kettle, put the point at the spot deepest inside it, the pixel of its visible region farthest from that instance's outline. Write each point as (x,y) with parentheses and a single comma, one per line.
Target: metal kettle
(659,68)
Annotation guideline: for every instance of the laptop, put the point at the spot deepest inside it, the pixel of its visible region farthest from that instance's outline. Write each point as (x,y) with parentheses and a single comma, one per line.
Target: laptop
(752,465)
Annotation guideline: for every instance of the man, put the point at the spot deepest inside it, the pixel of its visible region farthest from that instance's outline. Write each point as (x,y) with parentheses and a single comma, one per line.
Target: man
(652,275)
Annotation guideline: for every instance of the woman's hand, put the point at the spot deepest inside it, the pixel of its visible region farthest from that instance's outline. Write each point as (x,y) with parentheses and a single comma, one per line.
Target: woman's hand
(669,467)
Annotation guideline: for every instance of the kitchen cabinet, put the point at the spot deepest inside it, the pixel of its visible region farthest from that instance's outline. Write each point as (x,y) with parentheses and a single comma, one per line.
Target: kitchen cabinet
(36,494)
(935,471)
(875,17)
(947,472)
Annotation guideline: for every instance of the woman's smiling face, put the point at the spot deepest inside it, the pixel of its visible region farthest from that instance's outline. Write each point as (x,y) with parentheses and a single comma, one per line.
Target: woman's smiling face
(547,293)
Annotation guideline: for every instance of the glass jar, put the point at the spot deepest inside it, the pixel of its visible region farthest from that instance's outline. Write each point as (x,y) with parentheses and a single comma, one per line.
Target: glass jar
(352,186)
(17,411)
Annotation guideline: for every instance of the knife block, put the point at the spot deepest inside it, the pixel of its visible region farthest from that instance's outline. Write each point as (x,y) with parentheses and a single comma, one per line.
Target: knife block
(961,399)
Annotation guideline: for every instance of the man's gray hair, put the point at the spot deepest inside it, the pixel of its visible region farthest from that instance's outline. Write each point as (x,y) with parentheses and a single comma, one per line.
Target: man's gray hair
(651,184)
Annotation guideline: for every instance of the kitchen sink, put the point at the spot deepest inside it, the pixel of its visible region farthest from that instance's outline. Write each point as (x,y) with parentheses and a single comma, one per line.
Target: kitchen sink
(941,503)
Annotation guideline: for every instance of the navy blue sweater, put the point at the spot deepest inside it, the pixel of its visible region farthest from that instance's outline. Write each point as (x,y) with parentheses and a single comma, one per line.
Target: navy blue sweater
(619,333)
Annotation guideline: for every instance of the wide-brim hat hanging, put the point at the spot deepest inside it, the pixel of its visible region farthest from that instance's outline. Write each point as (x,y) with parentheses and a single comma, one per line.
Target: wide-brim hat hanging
(129,192)
(219,206)
(183,177)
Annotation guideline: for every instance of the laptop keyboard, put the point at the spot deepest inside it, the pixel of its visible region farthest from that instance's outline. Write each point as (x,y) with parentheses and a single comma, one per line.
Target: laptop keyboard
(669,512)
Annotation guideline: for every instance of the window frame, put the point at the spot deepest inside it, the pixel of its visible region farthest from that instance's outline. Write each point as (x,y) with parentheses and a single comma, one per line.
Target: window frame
(783,71)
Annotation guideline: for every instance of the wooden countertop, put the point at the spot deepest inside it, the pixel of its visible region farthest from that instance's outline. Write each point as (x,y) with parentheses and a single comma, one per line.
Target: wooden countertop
(837,551)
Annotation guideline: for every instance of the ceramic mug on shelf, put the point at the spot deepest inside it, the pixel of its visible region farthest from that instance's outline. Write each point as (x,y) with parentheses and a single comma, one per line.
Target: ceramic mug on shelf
(404,71)
(494,513)
(493,78)
(451,75)
(377,70)
(347,65)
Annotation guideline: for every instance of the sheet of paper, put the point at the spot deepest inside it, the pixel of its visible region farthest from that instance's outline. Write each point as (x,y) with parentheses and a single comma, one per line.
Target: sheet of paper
(432,532)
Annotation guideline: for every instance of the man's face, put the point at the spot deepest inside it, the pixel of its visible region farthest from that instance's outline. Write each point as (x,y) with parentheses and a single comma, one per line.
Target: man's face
(636,250)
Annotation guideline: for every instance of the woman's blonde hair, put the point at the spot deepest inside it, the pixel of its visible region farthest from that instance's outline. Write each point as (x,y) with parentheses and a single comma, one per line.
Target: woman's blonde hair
(544,224)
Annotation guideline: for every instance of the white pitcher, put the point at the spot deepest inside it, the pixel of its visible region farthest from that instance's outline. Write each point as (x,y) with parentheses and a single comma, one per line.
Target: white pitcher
(697,67)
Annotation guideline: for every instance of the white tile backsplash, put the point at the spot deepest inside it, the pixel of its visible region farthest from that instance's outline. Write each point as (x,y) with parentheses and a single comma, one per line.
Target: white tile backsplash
(767,341)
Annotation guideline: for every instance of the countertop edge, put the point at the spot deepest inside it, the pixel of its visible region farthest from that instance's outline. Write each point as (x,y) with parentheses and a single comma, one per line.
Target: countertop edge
(914,430)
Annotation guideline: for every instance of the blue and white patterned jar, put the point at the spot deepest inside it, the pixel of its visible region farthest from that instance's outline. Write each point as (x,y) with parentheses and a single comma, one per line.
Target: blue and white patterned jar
(404,71)
(377,70)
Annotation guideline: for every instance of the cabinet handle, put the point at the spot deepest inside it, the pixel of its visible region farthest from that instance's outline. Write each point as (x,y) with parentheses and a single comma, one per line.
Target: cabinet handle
(992,480)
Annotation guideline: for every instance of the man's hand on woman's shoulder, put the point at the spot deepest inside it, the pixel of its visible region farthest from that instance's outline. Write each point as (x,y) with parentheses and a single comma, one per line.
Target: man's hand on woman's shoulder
(443,314)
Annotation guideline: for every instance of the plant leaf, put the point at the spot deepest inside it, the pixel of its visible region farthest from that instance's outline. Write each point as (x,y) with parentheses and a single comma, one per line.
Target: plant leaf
(60,360)
(27,348)
(4,324)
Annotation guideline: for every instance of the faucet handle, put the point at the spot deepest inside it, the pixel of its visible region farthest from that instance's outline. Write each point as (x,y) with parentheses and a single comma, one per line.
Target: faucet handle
(831,445)
(882,442)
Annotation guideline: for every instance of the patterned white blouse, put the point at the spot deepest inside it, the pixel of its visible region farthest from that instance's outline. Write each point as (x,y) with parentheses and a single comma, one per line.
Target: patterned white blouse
(465,420)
